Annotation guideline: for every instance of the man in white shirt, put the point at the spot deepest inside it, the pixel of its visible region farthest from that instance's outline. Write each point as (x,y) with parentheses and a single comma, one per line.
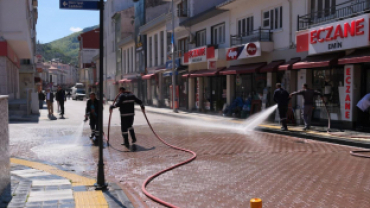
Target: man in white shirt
(49,101)
(363,112)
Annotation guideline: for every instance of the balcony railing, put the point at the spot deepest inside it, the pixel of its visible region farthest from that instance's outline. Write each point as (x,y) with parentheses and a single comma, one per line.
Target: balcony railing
(183,13)
(251,36)
(338,12)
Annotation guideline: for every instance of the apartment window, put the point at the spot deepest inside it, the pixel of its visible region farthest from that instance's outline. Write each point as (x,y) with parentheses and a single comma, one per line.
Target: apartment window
(183,46)
(161,48)
(150,51)
(201,38)
(156,50)
(323,7)
(182,9)
(273,18)
(124,68)
(245,27)
(133,59)
(218,34)
(128,61)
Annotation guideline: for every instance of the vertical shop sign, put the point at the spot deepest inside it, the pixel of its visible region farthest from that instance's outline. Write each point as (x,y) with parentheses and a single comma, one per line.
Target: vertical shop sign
(348,92)
(197,95)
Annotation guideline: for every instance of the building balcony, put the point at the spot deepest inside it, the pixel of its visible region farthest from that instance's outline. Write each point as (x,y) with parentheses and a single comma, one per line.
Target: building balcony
(251,36)
(341,11)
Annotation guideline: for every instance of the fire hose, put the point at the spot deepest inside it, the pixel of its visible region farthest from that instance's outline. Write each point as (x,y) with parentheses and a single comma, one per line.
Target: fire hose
(150,178)
(356,153)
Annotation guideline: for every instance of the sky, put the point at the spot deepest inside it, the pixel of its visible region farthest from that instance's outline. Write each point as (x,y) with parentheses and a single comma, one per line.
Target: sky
(54,23)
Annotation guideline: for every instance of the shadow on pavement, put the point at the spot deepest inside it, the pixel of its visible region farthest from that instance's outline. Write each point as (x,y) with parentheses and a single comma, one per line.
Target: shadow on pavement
(133,148)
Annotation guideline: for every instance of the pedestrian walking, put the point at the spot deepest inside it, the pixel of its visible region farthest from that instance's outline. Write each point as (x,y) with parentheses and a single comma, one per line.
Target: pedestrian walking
(126,104)
(281,97)
(61,98)
(308,96)
(50,101)
(363,112)
(41,99)
(92,109)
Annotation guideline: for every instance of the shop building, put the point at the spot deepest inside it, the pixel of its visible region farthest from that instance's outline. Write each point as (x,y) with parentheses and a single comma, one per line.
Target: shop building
(337,63)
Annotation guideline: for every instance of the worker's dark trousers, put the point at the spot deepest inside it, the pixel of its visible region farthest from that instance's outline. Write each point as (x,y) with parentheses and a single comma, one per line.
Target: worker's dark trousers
(283,116)
(126,126)
(94,127)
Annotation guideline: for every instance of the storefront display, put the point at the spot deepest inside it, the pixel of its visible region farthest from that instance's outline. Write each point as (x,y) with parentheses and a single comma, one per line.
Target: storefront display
(330,82)
(250,85)
(214,88)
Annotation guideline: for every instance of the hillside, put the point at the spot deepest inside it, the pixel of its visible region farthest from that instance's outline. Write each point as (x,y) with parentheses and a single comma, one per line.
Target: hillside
(64,48)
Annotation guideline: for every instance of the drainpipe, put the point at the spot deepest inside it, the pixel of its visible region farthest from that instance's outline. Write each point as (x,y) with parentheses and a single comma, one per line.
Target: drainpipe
(291,43)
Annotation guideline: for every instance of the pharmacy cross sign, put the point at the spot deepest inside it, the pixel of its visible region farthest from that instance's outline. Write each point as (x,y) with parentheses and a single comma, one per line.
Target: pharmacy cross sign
(79,4)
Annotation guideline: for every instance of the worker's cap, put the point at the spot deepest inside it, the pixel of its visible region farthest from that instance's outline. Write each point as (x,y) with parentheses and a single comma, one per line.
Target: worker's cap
(92,93)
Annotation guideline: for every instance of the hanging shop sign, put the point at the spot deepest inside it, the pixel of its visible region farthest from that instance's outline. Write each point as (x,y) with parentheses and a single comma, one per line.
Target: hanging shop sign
(246,51)
(199,55)
(177,64)
(212,65)
(341,35)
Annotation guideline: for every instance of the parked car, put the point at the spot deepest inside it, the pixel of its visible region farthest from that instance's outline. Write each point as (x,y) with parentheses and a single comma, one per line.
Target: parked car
(78,92)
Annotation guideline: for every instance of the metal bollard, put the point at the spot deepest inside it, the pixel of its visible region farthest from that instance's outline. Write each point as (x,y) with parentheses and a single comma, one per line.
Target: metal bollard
(256,203)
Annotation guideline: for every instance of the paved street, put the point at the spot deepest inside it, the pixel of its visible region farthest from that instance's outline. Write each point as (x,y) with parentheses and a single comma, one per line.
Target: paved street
(231,166)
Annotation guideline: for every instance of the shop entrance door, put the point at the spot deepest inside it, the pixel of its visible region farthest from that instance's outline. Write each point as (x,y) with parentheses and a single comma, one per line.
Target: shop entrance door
(218,94)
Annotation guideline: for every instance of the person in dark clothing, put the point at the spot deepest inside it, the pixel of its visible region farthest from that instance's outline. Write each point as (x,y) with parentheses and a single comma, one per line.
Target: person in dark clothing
(60,96)
(308,95)
(126,104)
(281,97)
(91,111)
(42,98)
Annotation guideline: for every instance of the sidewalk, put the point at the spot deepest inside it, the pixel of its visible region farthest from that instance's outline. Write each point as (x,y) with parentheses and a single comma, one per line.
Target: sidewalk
(346,137)
(37,185)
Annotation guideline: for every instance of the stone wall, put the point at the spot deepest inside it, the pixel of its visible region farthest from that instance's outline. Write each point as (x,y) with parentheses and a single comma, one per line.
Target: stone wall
(4,144)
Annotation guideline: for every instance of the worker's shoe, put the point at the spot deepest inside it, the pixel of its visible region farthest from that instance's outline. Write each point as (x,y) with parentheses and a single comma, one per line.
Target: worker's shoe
(125,141)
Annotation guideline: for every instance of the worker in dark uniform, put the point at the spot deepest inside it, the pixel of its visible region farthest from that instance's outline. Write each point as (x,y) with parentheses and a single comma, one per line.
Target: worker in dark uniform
(126,104)
(281,97)
(308,96)
(92,109)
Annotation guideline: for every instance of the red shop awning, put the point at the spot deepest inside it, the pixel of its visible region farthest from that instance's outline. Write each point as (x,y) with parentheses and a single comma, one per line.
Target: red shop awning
(122,80)
(272,66)
(323,60)
(358,56)
(206,72)
(289,64)
(148,76)
(243,69)
(185,76)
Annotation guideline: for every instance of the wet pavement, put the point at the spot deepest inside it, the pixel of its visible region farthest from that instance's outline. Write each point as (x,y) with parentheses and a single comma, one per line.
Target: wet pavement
(231,168)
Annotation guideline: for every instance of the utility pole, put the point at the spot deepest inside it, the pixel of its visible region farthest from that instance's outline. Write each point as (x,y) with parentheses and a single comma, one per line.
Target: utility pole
(174,97)
(100,184)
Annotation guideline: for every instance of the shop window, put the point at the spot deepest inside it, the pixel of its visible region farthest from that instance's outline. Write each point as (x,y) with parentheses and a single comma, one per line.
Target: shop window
(250,86)
(328,81)
(218,34)
(245,27)
(201,38)
(273,18)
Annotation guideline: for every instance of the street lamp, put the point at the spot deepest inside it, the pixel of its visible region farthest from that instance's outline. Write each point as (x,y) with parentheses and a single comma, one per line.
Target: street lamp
(100,184)
(174,97)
